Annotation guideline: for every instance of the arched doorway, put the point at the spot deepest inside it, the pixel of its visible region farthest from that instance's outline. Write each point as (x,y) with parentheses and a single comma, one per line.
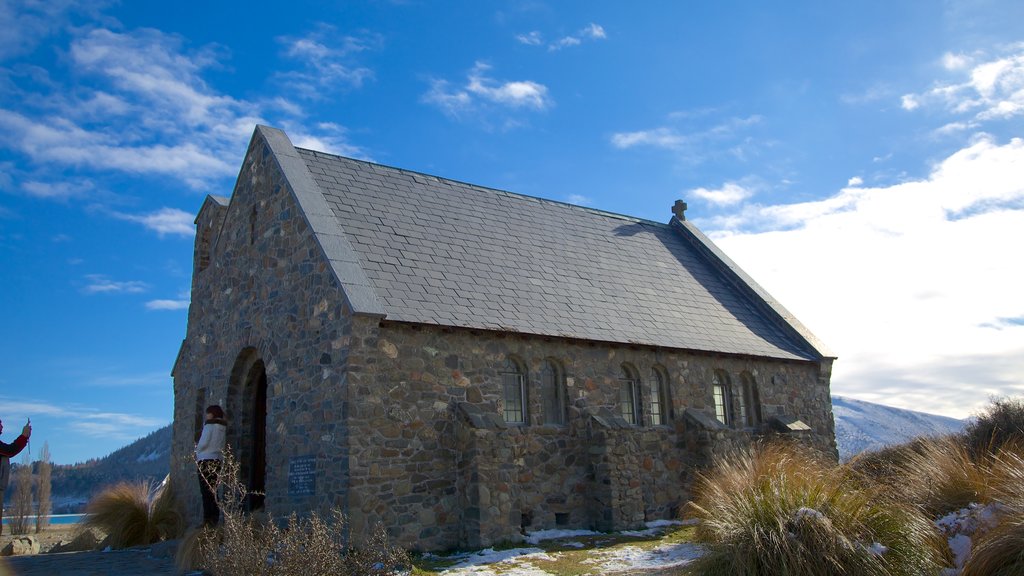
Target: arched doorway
(247,403)
(258,433)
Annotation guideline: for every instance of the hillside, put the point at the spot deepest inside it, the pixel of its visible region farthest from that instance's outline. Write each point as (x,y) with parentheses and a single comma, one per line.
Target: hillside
(144,459)
(864,425)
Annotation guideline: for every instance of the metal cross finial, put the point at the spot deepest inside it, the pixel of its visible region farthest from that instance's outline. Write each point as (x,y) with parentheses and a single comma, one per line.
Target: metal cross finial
(679,209)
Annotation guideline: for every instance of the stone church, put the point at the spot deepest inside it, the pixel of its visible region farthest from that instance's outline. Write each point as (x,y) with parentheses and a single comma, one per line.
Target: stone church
(465,364)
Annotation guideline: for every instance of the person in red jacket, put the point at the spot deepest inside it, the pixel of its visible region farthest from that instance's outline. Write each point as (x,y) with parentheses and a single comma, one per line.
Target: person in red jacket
(6,452)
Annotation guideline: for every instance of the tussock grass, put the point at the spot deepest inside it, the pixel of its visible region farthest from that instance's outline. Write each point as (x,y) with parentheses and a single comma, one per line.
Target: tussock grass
(129,517)
(941,475)
(1000,551)
(783,509)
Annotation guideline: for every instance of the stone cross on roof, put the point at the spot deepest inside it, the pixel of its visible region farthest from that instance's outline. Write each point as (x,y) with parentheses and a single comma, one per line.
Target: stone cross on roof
(679,209)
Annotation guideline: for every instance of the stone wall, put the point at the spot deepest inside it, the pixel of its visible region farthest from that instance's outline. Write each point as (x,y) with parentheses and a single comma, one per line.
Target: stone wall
(265,299)
(431,458)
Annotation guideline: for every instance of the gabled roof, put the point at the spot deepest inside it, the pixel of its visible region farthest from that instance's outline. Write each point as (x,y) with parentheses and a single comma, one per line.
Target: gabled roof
(422,249)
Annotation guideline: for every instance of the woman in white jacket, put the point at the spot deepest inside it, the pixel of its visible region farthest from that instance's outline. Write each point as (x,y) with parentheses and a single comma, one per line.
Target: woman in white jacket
(209,453)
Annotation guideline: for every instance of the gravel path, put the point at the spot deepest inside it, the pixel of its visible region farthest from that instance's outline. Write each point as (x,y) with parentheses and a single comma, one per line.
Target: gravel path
(130,562)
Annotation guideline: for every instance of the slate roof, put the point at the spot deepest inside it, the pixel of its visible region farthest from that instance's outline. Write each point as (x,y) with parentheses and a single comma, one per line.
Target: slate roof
(442,252)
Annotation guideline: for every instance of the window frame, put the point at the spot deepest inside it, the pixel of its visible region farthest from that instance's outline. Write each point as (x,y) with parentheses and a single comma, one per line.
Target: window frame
(721,391)
(554,405)
(516,402)
(752,400)
(629,396)
(660,410)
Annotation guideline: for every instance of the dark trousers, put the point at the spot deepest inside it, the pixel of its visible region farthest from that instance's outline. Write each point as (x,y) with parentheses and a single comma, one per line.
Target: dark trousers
(208,470)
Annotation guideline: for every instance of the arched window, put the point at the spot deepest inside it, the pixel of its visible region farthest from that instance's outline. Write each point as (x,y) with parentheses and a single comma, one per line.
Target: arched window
(513,382)
(629,394)
(721,389)
(751,400)
(553,402)
(660,401)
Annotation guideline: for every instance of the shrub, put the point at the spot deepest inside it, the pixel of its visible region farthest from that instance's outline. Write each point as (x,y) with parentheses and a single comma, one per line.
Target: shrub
(132,515)
(785,510)
(244,544)
(1001,422)
(22,506)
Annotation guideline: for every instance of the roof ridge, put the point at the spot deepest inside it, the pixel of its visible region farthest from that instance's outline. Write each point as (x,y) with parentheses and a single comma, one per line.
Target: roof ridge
(595,211)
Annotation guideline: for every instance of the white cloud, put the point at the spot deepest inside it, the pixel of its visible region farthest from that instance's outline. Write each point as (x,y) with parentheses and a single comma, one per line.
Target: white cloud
(952,61)
(148,110)
(855,181)
(79,419)
(564,42)
(723,137)
(990,90)
(533,38)
(328,137)
(595,31)
(101,284)
(164,221)
(481,91)
(591,31)
(909,284)
(658,137)
(579,199)
(167,305)
(515,94)
(729,193)
(26,22)
(57,190)
(327,58)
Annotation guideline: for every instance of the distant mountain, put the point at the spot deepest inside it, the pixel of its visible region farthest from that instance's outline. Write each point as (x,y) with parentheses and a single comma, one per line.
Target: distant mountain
(864,425)
(147,458)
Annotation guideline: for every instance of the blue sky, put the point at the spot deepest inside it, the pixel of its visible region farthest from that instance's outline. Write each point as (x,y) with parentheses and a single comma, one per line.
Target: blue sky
(863,161)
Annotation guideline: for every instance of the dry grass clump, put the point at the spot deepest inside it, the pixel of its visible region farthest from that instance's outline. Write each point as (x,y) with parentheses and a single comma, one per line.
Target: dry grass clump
(1000,551)
(245,544)
(784,510)
(1001,422)
(131,515)
(939,475)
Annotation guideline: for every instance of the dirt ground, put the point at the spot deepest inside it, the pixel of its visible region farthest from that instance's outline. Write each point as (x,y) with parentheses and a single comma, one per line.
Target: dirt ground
(48,538)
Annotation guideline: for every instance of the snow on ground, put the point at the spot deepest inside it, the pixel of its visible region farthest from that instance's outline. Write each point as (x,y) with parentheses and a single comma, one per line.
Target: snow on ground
(535,537)
(519,561)
(512,562)
(636,558)
(961,526)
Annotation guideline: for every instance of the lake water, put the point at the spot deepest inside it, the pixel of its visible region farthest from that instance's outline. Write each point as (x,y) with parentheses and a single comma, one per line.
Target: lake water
(55,519)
